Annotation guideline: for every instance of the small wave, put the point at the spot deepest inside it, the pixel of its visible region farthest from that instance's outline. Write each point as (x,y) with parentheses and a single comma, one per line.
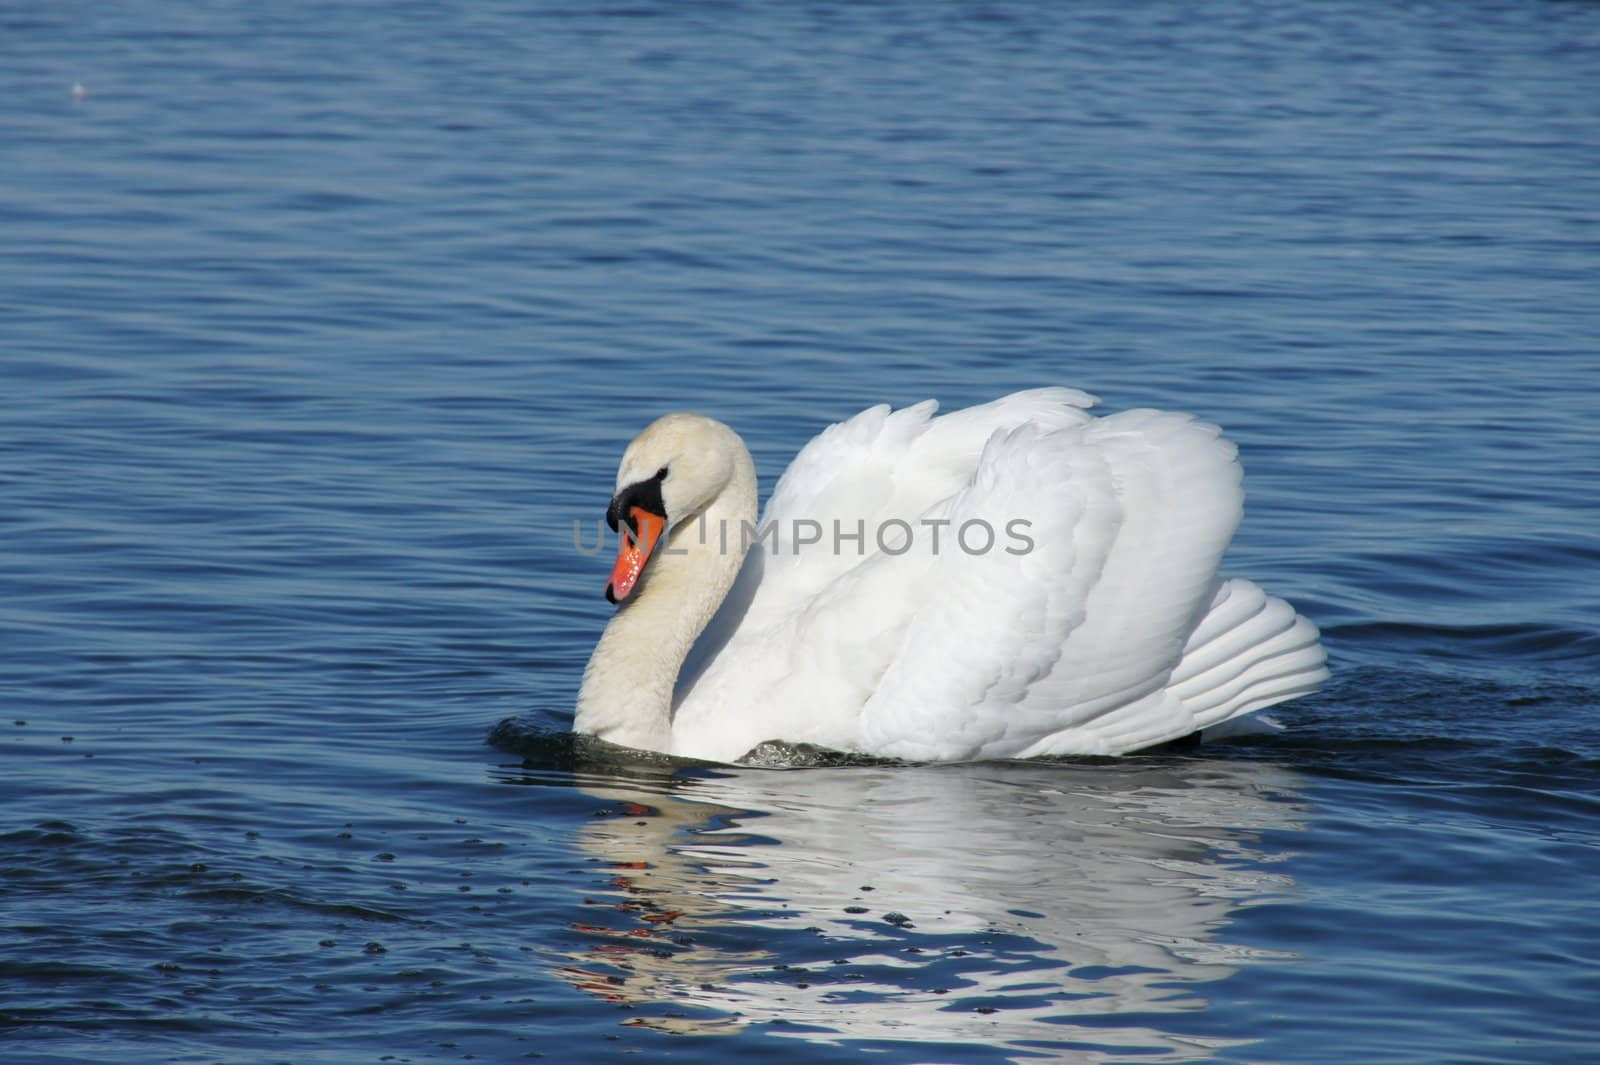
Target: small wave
(532,740)
(546,747)
(1538,642)
(1444,724)
(780,754)
(543,746)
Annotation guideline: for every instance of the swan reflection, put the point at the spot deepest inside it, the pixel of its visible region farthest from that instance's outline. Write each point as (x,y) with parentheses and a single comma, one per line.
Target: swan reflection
(1049,905)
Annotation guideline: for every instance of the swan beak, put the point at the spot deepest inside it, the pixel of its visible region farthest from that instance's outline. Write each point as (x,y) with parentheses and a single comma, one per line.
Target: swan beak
(639,537)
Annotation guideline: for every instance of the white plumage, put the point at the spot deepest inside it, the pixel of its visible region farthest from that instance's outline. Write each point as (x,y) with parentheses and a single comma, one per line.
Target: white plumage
(1016,579)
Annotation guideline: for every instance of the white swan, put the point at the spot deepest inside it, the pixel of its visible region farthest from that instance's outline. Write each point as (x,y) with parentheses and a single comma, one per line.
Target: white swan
(1015,579)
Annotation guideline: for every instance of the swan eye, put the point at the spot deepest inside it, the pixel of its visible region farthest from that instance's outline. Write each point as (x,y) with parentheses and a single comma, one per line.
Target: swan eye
(661,474)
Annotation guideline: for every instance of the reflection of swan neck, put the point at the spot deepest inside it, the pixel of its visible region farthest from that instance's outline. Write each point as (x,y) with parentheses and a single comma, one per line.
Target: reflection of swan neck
(626,696)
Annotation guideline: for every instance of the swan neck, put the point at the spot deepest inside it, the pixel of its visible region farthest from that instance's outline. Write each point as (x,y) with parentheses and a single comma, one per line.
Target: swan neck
(628,685)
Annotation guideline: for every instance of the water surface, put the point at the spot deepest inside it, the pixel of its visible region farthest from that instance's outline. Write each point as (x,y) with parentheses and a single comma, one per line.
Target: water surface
(320,325)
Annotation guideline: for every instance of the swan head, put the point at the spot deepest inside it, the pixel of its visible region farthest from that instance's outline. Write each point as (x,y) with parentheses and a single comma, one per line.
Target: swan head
(669,474)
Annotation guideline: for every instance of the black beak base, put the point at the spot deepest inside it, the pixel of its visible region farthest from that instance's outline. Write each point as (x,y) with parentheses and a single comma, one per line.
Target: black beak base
(643,494)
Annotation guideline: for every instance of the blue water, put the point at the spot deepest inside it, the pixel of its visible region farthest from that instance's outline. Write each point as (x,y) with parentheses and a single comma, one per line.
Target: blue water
(321,324)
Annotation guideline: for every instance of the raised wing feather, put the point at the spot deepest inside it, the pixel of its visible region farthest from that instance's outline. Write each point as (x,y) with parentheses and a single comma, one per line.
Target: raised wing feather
(1083,614)
(856,478)
(1021,655)
(806,633)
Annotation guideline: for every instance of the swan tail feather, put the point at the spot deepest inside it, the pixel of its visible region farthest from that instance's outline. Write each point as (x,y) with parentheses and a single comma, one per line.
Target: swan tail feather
(1250,652)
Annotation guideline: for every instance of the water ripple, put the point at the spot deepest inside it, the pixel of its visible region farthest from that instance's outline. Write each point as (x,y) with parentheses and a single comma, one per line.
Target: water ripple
(322,328)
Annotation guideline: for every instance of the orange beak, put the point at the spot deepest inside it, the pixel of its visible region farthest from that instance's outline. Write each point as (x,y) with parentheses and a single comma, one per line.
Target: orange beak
(633,551)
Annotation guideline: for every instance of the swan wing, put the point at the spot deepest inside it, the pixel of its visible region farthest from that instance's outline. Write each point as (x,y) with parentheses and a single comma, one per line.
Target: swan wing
(1069,647)
(860,482)
(793,624)
(1082,615)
